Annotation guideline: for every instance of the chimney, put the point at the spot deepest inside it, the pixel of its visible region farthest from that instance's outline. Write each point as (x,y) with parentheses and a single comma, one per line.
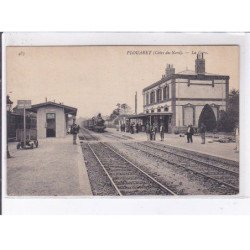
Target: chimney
(170,70)
(200,64)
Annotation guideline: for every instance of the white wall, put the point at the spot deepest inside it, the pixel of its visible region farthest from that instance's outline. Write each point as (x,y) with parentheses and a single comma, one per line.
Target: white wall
(60,121)
(200,91)
(198,108)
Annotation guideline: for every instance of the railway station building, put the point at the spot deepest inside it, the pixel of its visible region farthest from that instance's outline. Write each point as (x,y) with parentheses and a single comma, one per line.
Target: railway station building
(181,99)
(52,119)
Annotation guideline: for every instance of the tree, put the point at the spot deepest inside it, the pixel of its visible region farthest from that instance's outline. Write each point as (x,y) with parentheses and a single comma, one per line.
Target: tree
(229,119)
(114,114)
(125,109)
(207,117)
(120,110)
(233,107)
(224,123)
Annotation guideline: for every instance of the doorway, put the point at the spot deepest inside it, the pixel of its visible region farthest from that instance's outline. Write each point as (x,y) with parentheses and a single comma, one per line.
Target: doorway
(51,125)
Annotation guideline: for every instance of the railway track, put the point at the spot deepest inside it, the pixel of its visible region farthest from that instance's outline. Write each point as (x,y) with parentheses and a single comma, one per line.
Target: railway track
(228,165)
(222,176)
(122,137)
(87,136)
(125,176)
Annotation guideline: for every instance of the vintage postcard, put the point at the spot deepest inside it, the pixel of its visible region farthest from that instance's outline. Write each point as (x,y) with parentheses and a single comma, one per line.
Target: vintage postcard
(122,120)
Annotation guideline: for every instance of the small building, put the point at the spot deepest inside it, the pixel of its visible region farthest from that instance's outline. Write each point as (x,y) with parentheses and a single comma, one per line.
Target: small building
(16,122)
(184,98)
(52,119)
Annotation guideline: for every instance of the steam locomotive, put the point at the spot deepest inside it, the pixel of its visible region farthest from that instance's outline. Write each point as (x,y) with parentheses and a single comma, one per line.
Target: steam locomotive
(96,124)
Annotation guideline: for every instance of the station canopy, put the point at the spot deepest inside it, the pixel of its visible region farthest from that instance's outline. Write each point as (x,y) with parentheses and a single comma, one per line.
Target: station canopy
(143,115)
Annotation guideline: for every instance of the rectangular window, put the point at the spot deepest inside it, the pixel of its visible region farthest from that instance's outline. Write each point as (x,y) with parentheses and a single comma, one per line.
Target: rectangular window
(147,99)
(165,93)
(188,116)
(169,95)
(159,95)
(50,115)
(152,97)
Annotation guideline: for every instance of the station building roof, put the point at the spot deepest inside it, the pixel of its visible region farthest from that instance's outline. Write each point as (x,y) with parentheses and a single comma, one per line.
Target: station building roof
(67,109)
(186,73)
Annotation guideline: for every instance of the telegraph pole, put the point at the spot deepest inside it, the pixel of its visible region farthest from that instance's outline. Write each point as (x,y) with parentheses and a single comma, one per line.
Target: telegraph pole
(136,102)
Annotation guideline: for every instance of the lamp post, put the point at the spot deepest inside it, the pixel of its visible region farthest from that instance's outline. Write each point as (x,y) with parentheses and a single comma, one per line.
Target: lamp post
(8,107)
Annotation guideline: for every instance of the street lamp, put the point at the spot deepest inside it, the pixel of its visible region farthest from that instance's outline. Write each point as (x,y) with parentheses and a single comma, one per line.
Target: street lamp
(8,107)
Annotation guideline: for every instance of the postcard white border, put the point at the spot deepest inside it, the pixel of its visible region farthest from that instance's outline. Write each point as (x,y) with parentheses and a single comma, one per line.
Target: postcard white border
(102,205)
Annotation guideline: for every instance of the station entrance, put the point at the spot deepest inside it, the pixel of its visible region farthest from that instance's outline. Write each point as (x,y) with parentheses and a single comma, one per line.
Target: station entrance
(51,125)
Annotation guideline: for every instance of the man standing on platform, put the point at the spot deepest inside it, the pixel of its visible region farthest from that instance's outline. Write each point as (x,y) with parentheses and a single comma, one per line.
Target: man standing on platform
(154,130)
(148,132)
(203,133)
(162,132)
(190,132)
(74,131)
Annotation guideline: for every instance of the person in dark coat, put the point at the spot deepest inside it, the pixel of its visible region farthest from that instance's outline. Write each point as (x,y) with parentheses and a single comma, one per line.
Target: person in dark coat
(148,131)
(151,132)
(132,128)
(137,128)
(154,131)
(162,132)
(74,131)
(123,127)
(203,133)
(190,132)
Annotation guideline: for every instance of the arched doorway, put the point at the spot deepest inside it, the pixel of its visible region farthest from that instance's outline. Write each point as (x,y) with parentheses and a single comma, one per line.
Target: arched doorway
(208,118)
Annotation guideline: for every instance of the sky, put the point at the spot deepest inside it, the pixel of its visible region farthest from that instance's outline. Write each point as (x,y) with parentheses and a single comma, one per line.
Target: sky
(95,78)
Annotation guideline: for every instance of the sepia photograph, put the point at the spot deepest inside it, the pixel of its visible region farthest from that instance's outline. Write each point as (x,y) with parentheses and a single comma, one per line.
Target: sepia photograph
(122,120)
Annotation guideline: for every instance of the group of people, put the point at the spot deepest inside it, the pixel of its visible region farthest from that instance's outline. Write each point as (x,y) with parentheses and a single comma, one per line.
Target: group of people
(190,132)
(134,128)
(151,131)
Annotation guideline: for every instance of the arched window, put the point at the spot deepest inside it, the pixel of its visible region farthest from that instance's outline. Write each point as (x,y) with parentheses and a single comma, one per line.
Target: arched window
(152,97)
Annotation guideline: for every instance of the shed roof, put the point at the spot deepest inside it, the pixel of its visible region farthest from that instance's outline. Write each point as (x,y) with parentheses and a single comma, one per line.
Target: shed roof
(67,109)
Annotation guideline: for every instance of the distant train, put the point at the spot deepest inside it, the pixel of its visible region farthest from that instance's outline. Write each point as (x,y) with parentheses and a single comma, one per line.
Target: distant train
(96,124)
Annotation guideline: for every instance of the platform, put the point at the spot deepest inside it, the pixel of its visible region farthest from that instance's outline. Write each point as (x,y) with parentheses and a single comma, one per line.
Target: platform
(55,168)
(217,149)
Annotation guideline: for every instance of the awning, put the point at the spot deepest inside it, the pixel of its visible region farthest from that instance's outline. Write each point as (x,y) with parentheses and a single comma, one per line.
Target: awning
(143,115)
